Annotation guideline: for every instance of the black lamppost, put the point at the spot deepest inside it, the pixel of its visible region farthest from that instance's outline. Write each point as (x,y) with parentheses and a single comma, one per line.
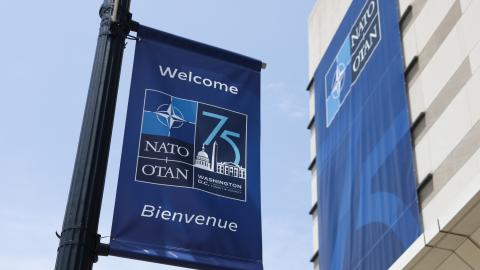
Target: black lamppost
(79,241)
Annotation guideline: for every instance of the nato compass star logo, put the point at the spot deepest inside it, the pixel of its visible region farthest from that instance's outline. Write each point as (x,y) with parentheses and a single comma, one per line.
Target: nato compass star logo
(338,81)
(170,116)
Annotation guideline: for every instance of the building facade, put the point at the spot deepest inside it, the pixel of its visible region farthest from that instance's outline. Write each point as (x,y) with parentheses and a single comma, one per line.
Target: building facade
(441,46)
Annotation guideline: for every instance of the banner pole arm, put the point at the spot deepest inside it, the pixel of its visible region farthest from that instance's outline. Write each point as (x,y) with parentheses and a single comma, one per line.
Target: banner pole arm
(79,241)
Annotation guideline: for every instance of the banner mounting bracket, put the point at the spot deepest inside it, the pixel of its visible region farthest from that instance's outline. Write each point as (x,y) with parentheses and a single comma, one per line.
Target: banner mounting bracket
(103,249)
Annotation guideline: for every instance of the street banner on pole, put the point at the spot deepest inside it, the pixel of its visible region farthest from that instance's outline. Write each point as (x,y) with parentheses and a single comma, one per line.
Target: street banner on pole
(189,184)
(367,202)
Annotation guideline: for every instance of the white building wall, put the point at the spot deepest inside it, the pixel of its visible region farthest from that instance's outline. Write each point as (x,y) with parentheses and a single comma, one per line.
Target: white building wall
(313,144)
(444,85)
(313,185)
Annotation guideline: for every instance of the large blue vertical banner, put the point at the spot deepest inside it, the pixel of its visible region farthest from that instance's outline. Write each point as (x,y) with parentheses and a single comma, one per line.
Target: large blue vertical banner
(367,202)
(189,183)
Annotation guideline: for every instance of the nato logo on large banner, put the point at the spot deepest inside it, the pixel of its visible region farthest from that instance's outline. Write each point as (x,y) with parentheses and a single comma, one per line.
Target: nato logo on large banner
(189,183)
(354,53)
(367,208)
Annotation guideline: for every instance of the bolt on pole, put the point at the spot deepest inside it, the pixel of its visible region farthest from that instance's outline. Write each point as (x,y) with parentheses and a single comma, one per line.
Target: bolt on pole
(79,240)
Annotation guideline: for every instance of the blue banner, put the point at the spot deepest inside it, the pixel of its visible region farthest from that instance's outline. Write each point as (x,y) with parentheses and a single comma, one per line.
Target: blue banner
(367,202)
(189,184)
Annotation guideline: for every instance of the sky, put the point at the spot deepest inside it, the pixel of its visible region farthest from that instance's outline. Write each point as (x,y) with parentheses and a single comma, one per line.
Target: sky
(46,55)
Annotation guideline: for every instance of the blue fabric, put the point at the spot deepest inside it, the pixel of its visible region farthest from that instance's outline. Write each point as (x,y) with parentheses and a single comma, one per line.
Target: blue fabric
(189,182)
(367,202)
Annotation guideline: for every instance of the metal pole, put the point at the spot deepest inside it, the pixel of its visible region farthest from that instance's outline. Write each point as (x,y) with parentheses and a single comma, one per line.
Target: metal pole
(79,241)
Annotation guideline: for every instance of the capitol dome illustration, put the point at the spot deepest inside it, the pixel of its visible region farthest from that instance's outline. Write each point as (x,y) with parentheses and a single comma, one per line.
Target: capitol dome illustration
(202,161)
(226,168)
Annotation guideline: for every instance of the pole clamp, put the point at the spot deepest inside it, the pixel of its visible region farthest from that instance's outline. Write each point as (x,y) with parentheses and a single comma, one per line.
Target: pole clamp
(122,26)
(119,28)
(78,235)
